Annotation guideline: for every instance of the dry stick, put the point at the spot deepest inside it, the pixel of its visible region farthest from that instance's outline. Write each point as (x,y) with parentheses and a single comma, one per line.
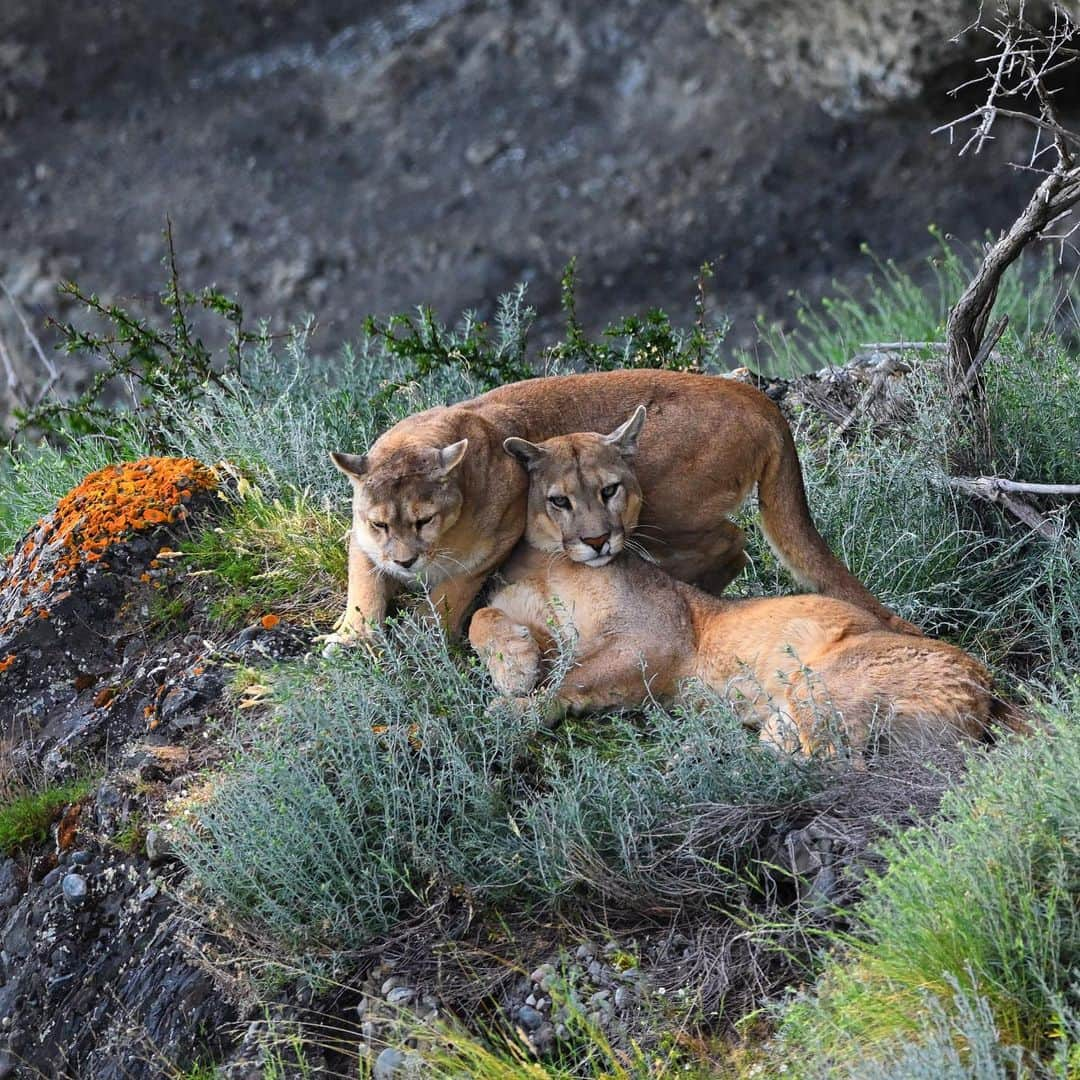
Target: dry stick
(50,367)
(986,488)
(986,350)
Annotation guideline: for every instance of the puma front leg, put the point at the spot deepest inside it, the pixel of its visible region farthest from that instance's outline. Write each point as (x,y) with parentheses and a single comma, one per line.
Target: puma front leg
(453,598)
(367,599)
(509,650)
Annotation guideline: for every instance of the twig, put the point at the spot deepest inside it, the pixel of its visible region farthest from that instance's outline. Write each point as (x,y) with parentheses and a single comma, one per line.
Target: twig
(990,490)
(50,367)
(1024,487)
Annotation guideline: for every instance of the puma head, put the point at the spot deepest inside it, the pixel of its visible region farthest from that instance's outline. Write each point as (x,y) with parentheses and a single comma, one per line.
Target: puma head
(584,498)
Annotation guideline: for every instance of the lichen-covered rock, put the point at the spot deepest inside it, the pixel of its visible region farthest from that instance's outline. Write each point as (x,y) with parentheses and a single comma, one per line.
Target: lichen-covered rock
(73,606)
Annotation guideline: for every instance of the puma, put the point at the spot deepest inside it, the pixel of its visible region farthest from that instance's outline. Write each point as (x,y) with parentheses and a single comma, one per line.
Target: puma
(438,503)
(797,667)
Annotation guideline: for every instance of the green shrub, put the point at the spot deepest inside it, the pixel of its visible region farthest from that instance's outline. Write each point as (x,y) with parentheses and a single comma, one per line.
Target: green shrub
(978,907)
(284,556)
(893,306)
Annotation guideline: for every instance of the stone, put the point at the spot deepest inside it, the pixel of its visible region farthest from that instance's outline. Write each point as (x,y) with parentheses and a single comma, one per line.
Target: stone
(391,983)
(529,1018)
(596,970)
(159,848)
(623,997)
(543,1038)
(75,889)
(388,1064)
(81,858)
(400,996)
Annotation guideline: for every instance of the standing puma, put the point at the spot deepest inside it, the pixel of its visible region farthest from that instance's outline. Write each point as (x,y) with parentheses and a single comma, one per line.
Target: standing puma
(436,501)
(633,632)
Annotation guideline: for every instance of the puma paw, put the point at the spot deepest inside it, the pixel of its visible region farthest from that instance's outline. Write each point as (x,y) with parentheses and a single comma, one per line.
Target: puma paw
(515,664)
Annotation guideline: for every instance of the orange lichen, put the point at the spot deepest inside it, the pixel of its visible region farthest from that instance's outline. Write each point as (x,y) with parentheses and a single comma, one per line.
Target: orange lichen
(7,662)
(109,505)
(104,697)
(270,621)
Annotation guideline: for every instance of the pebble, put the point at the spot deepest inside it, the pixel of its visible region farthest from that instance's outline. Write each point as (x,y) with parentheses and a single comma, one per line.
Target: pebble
(543,1037)
(529,1018)
(623,997)
(541,973)
(400,996)
(387,1064)
(158,848)
(75,889)
(596,970)
(81,858)
(361,1008)
(531,1000)
(391,984)
(585,951)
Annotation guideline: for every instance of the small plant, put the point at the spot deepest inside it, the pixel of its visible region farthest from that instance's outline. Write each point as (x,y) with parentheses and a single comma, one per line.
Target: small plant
(648,341)
(269,558)
(154,363)
(131,839)
(25,820)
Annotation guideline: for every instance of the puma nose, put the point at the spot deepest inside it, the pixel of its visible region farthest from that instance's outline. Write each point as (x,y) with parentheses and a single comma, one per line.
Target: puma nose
(596,542)
(406,563)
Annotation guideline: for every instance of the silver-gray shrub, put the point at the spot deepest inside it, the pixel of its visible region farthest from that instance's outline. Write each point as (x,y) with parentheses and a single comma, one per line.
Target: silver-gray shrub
(376,784)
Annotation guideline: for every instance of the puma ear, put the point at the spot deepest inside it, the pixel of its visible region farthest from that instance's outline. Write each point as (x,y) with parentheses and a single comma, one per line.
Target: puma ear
(526,452)
(352,465)
(450,457)
(626,436)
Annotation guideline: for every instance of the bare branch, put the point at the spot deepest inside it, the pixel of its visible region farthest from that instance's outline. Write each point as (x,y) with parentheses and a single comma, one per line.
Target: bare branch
(989,489)
(50,367)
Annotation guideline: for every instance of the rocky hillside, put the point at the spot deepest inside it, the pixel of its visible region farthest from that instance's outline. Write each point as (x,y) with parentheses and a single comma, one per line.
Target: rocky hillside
(340,161)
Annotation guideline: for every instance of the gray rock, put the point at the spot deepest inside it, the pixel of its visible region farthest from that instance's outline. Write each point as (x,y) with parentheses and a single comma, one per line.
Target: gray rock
(75,889)
(400,996)
(529,1018)
(391,983)
(53,877)
(543,1038)
(596,970)
(159,848)
(388,1064)
(585,951)
(81,858)
(623,997)
(541,973)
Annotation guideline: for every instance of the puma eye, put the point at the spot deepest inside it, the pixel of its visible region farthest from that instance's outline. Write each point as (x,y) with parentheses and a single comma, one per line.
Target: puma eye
(421,522)
(561,501)
(380,525)
(607,492)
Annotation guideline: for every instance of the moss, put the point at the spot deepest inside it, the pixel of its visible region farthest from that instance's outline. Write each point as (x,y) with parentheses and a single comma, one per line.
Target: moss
(25,820)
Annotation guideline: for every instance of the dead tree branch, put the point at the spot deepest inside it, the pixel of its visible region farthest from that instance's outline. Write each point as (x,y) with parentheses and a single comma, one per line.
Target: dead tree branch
(1023,61)
(993,489)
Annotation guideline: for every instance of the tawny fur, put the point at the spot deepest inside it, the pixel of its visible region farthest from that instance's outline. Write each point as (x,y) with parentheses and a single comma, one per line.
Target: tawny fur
(710,442)
(634,632)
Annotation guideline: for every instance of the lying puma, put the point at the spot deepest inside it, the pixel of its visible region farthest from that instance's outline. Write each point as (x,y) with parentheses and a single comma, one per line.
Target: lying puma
(635,632)
(437,501)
